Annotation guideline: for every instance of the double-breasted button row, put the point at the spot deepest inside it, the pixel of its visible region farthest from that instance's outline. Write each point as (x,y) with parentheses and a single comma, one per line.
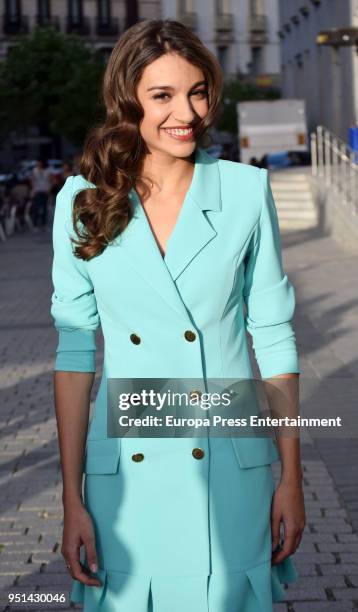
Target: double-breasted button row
(189,335)
(198,453)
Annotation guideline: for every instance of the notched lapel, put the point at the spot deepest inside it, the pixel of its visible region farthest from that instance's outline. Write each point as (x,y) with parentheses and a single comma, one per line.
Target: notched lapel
(192,232)
(138,245)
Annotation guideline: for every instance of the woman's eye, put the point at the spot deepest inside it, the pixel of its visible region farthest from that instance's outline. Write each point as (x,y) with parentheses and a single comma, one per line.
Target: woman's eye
(160,96)
(200,92)
(194,93)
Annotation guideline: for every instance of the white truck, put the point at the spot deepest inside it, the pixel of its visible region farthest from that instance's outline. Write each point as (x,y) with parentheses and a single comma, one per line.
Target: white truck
(271,126)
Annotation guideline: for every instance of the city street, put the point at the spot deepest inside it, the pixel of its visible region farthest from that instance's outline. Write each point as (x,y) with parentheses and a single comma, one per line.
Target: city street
(326,324)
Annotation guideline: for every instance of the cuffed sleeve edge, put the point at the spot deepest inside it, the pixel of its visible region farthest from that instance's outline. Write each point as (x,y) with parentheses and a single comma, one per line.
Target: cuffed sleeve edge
(76,340)
(75,361)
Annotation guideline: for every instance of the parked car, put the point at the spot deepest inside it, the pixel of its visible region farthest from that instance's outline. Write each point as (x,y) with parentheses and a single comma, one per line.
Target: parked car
(55,165)
(285,159)
(6,178)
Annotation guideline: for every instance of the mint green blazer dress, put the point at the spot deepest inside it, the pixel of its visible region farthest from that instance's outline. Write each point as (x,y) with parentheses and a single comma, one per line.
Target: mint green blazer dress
(180,529)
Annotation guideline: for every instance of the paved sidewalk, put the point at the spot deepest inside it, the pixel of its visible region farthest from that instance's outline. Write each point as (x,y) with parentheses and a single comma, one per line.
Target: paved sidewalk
(326,324)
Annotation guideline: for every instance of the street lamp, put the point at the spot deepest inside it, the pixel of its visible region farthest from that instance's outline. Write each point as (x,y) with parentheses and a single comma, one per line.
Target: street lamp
(339,37)
(335,39)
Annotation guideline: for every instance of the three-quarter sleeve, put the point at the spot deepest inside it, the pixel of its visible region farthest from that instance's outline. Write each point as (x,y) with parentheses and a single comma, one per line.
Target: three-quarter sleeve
(73,303)
(269,296)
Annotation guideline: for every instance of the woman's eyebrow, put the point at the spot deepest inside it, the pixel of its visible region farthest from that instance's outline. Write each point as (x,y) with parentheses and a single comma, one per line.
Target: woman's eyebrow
(170,87)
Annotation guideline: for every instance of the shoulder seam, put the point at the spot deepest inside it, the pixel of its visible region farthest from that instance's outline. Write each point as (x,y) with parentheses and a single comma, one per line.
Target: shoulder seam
(263,185)
(258,222)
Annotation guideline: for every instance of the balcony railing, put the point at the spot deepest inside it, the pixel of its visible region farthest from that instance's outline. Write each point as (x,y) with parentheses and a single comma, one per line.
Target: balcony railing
(258,28)
(78,26)
(15,25)
(45,21)
(107,28)
(224,22)
(83,26)
(258,23)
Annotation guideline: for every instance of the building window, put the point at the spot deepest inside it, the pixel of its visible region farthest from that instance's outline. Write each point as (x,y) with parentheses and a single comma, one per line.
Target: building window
(185,6)
(257,60)
(13,10)
(43,8)
(222,53)
(75,10)
(132,13)
(222,7)
(257,7)
(104,11)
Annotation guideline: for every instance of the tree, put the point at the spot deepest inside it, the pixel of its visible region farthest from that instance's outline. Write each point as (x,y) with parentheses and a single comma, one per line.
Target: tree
(52,80)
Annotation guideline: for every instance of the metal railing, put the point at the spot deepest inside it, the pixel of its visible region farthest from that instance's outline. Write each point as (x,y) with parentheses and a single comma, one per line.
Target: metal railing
(336,165)
(224,22)
(80,25)
(83,25)
(258,23)
(44,20)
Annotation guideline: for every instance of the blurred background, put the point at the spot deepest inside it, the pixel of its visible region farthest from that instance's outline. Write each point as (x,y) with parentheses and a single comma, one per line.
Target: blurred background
(290,104)
(290,98)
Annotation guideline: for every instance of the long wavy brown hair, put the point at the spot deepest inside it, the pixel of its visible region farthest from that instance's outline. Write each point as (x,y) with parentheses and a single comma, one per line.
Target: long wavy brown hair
(113,152)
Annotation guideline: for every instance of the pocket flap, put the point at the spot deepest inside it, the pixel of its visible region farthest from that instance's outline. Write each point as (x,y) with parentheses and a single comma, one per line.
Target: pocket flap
(102,456)
(253,452)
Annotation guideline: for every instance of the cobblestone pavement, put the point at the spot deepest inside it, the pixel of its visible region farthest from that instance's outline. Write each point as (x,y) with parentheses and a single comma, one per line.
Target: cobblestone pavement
(326,324)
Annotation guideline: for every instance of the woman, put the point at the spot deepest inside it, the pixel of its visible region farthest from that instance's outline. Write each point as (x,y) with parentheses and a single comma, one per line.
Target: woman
(168,244)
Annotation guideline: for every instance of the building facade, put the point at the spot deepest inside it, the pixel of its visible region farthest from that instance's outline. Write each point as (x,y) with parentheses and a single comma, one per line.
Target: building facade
(325,76)
(99,22)
(242,33)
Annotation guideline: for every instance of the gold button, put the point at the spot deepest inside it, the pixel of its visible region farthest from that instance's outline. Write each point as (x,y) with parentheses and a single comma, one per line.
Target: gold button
(189,335)
(195,393)
(135,339)
(138,457)
(197,453)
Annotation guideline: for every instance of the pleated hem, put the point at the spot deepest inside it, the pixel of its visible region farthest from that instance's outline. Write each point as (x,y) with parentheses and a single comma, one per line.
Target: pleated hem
(251,590)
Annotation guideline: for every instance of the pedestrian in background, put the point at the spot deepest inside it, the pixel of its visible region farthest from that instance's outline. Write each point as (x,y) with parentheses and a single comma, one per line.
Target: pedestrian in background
(67,170)
(41,182)
(20,202)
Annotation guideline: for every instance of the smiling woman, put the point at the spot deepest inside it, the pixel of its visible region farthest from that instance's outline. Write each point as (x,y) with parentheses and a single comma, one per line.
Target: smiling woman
(174,82)
(175,273)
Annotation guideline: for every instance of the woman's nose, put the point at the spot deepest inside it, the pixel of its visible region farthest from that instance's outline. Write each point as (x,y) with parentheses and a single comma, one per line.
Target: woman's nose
(183,112)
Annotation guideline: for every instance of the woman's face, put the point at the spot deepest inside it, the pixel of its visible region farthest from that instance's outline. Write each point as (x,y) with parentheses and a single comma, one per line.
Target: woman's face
(173,94)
